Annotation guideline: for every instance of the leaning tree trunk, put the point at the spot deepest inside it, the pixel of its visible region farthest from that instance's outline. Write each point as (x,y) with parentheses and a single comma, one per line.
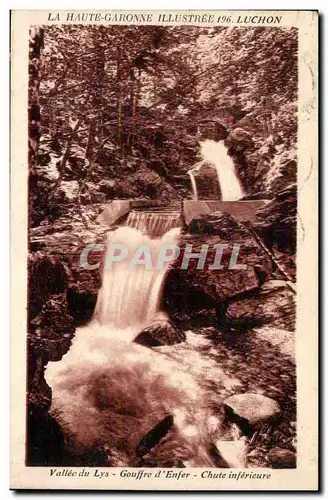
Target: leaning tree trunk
(96,121)
(34,115)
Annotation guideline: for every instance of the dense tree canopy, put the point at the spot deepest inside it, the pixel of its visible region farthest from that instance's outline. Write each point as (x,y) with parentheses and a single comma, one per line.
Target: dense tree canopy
(130,104)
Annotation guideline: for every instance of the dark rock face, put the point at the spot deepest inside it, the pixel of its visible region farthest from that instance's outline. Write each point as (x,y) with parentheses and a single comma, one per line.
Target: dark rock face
(64,243)
(45,439)
(50,331)
(160,332)
(81,304)
(47,276)
(278,220)
(195,289)
(279,458)
(153,437)
(206,179)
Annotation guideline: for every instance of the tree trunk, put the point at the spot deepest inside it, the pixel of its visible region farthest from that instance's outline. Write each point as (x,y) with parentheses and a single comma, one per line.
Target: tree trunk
(90,144)
(119,133)
(34,115)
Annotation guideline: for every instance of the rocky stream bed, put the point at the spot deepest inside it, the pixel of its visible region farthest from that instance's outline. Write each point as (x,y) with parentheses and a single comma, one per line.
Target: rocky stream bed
(244,321)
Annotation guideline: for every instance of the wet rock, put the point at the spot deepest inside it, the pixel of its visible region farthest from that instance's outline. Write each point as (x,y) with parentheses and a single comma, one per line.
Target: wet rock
(280,458)
(153,437)
(227,454)
(81,303)
(75,168)
(50,332)
(206,178)
(250,410)
(160,332)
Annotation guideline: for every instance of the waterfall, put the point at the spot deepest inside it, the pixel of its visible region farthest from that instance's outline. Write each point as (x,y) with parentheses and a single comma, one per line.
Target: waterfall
(130,297)
(193,184)
(155,224)
(217,153)
(109,392)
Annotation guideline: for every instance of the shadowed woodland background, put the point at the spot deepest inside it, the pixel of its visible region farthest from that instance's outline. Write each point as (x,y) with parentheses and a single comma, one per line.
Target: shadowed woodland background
(122,110)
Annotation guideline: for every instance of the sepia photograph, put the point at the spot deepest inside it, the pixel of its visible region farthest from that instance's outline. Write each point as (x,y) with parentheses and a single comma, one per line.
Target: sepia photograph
(162,246)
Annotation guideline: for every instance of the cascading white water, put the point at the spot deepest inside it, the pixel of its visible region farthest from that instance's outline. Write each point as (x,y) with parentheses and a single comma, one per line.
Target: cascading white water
(217,153)
(193,184)
(154,224)
(109,392)
(130,297)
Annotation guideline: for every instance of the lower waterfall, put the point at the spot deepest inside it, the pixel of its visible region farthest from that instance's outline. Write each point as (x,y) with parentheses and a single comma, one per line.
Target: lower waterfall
(131,297)
(109,392)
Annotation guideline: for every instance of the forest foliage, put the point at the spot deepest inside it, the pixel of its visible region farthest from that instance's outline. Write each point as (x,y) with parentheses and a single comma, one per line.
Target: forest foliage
(118,112)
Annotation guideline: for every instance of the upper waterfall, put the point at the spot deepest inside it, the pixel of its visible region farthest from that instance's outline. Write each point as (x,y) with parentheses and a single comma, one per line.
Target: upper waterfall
(216,152)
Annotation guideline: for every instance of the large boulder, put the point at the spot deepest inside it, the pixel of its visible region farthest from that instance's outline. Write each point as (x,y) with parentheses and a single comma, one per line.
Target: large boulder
(142,183)
(206,179)
(195,289)
(160,332)
(153,437)
(107,187)
(229,454)
(251,410)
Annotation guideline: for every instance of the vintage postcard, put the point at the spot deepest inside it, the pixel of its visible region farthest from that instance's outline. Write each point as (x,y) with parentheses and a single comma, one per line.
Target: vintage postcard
(164,176)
